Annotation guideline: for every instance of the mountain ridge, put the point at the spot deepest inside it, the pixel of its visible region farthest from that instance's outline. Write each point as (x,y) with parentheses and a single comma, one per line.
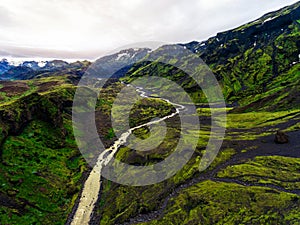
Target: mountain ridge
(249,60)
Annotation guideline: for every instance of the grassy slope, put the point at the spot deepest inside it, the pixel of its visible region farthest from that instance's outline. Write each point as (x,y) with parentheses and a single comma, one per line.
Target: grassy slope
(41,167)
(256,63)
(41,172)
(211,202)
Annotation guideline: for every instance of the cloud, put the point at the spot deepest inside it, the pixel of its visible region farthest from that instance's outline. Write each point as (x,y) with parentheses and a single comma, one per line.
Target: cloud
(100,25)
(6,19)
(29,52)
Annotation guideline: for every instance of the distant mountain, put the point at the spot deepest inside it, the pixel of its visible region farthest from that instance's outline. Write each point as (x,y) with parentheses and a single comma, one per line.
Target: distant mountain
(4,66)
(18,69)
(33,69)
(118,64)
(115,65)
(18,73)
(55,64)
(32,64)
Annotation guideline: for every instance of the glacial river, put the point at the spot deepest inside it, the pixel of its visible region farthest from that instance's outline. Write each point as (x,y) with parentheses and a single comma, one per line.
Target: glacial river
(92,185)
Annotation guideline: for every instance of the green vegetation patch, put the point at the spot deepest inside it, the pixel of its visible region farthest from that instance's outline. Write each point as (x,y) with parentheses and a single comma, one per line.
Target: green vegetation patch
(228,203)
(277,170)
(40,171)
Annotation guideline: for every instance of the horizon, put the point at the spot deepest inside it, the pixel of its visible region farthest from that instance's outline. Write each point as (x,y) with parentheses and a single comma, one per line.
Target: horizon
(70,45)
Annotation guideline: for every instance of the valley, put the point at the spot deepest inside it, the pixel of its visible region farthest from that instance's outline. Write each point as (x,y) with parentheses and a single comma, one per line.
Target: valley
(50,176)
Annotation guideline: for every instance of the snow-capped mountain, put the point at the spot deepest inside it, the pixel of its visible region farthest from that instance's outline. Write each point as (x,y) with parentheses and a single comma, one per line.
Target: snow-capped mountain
(32,64)
(116,65)
(23,69)
(4,66)
(8,64)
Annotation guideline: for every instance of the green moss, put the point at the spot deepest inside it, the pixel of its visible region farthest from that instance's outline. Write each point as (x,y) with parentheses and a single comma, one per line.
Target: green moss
(111,134)
(228,203)
(259,119)
(277,170)
(40,168)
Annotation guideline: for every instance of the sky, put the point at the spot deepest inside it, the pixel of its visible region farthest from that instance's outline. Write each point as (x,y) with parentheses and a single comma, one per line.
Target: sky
(92,28)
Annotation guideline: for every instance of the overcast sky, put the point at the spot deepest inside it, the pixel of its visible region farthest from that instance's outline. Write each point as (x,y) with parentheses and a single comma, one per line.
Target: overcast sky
(90,28)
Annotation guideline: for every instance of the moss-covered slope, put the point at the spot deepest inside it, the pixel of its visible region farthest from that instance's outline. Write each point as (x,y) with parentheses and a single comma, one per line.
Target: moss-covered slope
(252,62)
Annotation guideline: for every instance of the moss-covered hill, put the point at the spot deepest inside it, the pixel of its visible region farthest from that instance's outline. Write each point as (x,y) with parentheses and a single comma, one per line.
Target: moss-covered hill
(41,167)
(256,61)
(42,170)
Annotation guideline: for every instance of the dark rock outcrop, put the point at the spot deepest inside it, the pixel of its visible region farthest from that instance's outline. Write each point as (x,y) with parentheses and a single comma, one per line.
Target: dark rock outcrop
(281,137)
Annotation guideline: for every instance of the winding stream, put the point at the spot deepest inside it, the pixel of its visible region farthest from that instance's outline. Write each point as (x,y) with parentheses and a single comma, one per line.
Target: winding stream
(91,189)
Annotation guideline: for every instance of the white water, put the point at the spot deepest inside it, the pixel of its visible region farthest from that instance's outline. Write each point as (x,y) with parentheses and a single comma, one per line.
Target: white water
(92,185)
